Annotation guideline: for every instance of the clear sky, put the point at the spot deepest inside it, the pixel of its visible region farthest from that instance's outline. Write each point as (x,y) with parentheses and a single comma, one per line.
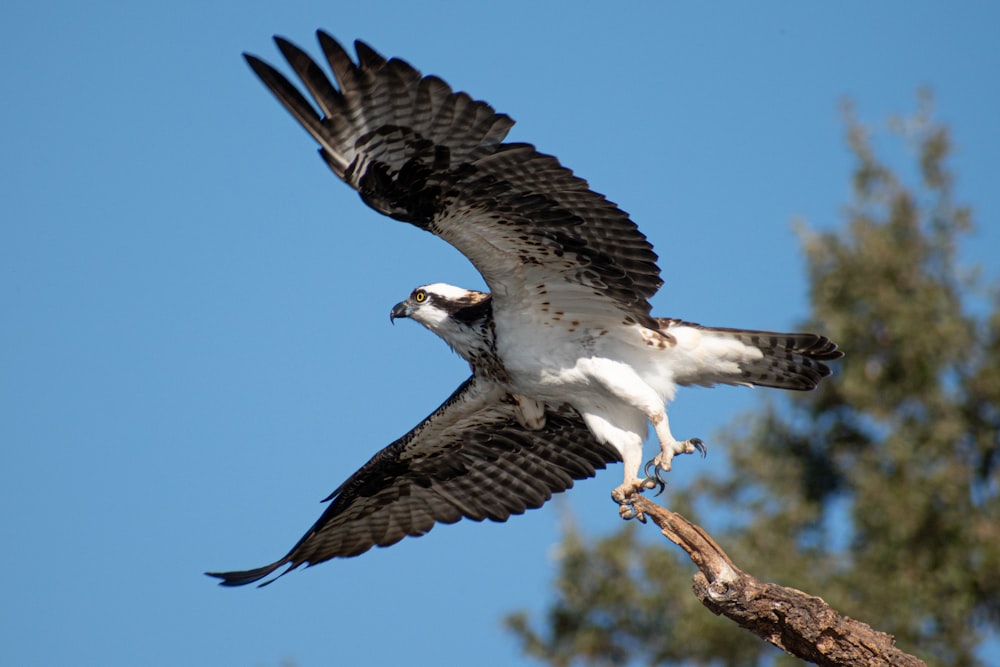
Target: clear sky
(194,314)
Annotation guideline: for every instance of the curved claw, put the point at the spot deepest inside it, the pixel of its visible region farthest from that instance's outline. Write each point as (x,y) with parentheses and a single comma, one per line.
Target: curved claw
(700,445)
(654,480)
(656,473)
(661,485)
(627,512)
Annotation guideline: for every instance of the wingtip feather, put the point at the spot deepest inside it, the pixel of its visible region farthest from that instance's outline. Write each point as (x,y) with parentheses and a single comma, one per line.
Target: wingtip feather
(289,50)
(244,577)
(367,56)
(256,64)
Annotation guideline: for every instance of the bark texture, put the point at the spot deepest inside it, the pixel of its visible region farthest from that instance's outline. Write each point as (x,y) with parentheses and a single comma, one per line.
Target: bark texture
(800,624)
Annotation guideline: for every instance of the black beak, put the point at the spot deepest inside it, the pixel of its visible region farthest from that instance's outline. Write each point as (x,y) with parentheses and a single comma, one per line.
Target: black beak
(399,310)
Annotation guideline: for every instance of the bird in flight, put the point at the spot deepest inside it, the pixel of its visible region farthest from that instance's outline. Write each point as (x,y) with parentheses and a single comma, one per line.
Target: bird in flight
(569,366)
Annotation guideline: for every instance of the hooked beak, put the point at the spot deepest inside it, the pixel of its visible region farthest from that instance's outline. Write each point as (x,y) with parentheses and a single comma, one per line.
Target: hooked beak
(401,309)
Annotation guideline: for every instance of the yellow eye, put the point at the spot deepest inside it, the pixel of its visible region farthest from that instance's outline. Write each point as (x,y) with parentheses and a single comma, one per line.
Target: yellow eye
(420,296)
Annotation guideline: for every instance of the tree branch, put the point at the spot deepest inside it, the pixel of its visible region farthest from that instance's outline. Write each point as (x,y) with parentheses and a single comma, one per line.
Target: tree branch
(799,624)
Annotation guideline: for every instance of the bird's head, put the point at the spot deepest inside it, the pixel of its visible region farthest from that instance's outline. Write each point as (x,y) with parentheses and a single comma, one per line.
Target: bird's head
(457,315)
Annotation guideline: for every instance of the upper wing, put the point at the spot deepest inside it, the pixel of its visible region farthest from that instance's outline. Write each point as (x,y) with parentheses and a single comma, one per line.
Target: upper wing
(420,153)
(470,458)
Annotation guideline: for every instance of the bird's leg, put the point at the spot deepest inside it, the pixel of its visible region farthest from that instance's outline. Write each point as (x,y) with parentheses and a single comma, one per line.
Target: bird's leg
(624,494)
(670,446)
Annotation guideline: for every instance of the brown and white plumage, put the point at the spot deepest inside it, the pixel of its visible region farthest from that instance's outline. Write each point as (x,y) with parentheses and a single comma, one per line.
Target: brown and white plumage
(420,153)
(786,361)
(569,365)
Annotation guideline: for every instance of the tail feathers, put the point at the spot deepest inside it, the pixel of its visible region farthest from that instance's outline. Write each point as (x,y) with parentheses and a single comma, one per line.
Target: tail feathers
(763,358)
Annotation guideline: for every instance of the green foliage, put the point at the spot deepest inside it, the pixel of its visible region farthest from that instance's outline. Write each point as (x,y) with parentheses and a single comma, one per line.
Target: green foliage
(879,491)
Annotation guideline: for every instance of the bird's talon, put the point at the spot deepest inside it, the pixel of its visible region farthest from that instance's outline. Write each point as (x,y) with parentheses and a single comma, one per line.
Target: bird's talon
(652,468)
(659,478)
(628,512)
(656,482)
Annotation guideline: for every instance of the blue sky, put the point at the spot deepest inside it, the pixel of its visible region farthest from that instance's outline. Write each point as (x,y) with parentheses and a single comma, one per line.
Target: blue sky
(195,344)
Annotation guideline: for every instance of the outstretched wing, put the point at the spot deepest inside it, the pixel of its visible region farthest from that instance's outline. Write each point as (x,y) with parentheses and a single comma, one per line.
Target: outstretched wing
(421,153)
(469,459)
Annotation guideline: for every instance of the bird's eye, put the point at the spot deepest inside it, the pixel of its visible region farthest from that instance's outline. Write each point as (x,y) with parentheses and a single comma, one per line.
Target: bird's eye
(420,296)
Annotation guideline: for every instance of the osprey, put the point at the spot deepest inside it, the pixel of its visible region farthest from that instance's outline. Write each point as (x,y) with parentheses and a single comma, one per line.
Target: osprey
(569,366)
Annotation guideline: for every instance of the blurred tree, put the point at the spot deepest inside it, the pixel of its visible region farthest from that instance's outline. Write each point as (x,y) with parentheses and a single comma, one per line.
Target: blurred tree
(879,491)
